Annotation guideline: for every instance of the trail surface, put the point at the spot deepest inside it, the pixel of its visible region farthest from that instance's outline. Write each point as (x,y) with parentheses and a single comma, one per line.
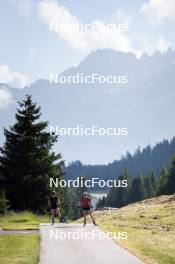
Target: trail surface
(72,243)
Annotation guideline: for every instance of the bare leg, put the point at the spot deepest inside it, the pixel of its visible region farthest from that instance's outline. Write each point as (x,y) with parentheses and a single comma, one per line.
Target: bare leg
(57,211)
(92,217)
(52,213)
(84,213)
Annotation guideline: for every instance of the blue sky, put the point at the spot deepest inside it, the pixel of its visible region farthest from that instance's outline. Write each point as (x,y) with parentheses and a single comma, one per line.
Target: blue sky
(28,48)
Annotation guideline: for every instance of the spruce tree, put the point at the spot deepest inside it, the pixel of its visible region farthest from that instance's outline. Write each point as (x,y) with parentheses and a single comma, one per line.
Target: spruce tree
(101,203)
(137,192)
(111,197)
(118,196)
(27,160)
(122,192)
(154,184)
(69,205)
(150,185)
(162,182)
(170,185)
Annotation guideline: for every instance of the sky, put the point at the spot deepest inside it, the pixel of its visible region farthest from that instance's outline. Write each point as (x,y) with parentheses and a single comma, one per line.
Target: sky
(30,51)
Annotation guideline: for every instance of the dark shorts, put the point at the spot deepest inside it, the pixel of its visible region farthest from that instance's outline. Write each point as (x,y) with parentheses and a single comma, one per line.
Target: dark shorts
(54,207)
(86,209)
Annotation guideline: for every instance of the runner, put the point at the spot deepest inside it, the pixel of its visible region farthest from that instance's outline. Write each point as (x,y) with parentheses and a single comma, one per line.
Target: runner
(54,203)
(86,204)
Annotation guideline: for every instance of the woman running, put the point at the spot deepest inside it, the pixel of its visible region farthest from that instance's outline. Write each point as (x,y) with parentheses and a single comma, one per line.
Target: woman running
(86,204)
(54,203)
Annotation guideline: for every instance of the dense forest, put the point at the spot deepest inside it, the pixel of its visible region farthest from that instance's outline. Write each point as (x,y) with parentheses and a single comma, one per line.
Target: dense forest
(141,187)
(149,159)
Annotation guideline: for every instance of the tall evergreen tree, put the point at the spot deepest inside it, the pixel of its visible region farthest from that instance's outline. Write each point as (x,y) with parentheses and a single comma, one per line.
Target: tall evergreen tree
(111,197)
(162,182)
(27,160)
(118,197)
(170,185)
(101,203)
(122,192)
(137,192)
(150,185)
(69,203)
(154,184)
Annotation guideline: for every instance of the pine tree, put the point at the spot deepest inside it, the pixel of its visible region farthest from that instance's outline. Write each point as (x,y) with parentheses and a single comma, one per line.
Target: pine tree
(150,185)
(122,192)
(170,185)
(69,203)
(103,200)
(154,184)
(101,203)
(137,192)
(111,197)
(162,182)
(118,196)
(27,160)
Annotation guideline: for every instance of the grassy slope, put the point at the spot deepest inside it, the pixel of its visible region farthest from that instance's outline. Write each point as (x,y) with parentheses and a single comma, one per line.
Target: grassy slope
(19,249)
(150,225)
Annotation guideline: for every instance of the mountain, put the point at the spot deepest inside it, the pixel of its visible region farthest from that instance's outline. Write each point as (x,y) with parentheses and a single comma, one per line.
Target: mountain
(145,105)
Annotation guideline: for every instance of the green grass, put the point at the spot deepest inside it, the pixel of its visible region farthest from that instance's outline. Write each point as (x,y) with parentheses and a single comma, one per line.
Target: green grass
(150,226)
(22,220)
(19,249)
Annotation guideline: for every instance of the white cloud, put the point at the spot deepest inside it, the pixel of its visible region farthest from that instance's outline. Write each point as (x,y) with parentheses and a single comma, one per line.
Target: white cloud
(6,98)
(163,45)
(13,79)
(120,16)
(52,11)
(159,11)
(139,38)
(151,44)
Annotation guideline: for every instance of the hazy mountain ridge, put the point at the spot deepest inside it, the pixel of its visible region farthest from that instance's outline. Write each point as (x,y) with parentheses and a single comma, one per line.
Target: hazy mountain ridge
(143,105)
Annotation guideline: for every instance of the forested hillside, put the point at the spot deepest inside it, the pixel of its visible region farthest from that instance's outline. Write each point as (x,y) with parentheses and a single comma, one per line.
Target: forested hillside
(149,159)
